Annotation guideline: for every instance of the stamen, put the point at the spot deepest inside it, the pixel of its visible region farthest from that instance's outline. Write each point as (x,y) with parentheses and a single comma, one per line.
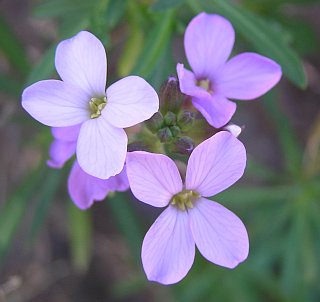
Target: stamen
(205,84)
(185,199)
(96,105)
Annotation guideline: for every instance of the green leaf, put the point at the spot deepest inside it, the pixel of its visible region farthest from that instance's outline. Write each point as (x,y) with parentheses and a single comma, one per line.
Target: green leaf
(162,5)
(261,34)
(44,69)
(45,197)
(156,44)
(12,212)
(11,47)
(80,230)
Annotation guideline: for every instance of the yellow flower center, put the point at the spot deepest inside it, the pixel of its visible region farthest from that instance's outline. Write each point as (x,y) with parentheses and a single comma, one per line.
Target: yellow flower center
(96,105)
(205,84)
(185,199)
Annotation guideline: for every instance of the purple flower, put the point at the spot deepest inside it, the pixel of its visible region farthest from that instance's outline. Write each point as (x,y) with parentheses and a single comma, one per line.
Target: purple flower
(208,43)
(190,219)
(83,188)
(80,98)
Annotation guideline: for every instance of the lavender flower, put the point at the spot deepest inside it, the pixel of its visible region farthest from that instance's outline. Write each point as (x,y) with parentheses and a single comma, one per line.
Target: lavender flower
(80,98)
(168,248)
(83,188)
(208,43)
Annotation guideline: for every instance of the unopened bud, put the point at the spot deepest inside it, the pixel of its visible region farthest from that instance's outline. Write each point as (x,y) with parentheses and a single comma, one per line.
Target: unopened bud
(184,145)
(233,129)
(165,135)
(170,95)
(155,122)
(175,130)
(137,146)
(185,120)
(170,119)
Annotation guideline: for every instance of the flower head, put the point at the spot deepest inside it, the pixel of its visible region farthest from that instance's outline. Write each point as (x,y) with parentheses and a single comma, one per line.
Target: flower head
(208,42)
(81,99)
(190,219)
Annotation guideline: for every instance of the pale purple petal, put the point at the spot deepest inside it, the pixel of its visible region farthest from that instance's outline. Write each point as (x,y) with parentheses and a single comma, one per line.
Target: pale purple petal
(208,42)
(101,148)
(220,235)
(247,76)
(81,60)
(60,152)
(153,178)
(118,182)
(215,164)
(168,248)
(233,129)
(130,101)
(55,103)
(67,134)
(216,109)
(84,189)
(187,83)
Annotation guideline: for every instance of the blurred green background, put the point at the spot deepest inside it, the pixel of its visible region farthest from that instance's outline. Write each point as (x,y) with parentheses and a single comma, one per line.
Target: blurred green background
(51,251)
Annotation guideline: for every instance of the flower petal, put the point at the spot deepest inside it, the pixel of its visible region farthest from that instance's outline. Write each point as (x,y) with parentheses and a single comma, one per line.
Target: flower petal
(220,235)
(247,76)
(84,189)
(81,60)
(67,134)
(153,178)
(215,164)
(55,103)
(60,152)
(101,148)
(208,42)
(131,100)
(216,109)
(168,248)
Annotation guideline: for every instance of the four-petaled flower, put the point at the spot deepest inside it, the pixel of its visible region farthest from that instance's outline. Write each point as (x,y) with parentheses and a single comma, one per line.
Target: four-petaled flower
(208,42)
(80,98)
(83,188)
(169,246)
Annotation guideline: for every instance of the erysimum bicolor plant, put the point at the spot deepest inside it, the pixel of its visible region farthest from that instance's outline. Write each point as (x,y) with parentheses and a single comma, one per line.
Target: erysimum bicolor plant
(83,188)
(208,42)
(168,248)
(81,98)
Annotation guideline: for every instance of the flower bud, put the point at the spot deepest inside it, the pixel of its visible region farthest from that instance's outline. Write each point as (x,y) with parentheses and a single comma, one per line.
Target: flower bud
(183,145)
(233,129)
(165,135)
(185,120)
(137,146)
(155,122)
(170,119)
(170,95)
(175,130)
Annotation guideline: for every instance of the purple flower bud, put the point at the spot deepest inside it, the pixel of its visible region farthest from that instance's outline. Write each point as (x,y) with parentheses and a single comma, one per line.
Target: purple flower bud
(183,145)
(175,130)
(165,135)
(170,95)
(185,120)
(170,119)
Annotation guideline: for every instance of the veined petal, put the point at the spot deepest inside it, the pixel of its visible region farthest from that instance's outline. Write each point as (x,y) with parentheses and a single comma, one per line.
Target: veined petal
(216,109)
(131,100)
(60,152)
(187,83)
(168,248)
(153,178)
(101,148)
(208,42)
(55,103)
(220,235)
(247,76)
(118,182)
(81,60)
(215,164)
(84,189)
(67,134)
